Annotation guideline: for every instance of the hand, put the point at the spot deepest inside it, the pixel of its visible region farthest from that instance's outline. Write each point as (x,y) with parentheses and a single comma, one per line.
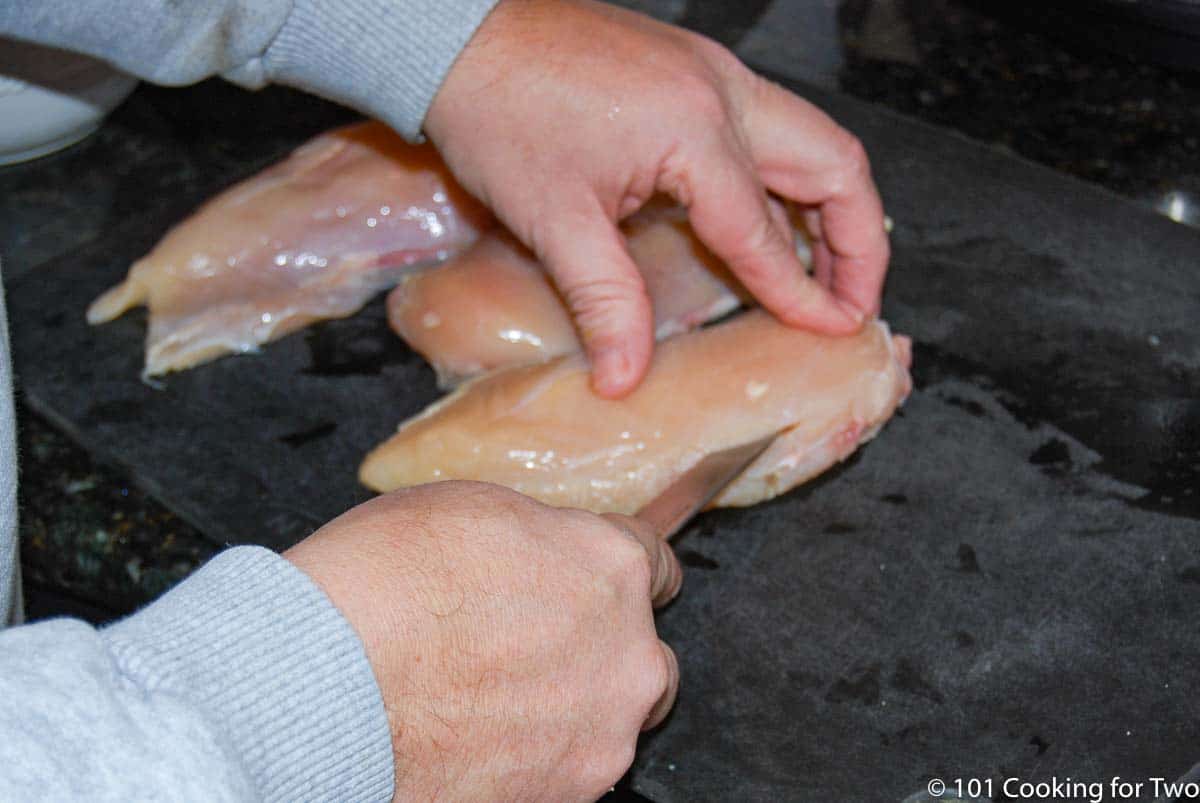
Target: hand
(564,116)
(514,643)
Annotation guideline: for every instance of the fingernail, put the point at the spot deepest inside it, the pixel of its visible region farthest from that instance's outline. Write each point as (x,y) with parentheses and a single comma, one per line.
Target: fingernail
(856,315)
(610,372)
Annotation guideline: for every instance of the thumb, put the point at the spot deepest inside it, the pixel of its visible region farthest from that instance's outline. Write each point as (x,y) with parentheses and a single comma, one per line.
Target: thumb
(586,256)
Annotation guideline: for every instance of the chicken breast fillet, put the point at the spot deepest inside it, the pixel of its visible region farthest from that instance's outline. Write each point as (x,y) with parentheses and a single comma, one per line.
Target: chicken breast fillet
(495,306)
(313,237)
(541,431)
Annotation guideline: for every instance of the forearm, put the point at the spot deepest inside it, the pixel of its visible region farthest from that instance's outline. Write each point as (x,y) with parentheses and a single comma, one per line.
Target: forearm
(243,683)
(385,58)
(158,40)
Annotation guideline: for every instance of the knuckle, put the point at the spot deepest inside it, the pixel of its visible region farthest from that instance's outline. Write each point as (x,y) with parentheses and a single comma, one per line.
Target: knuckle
(851,151)
(710,49)
(622,757)
(656,675)
(715,54)
(602,300)
(851,159)
(583,520)
(616,286)
(649,677)
(485,493)
(757,249)
(597,530)
(613,762)
(630,563)
(765,91)
(675,177)
(699,93)
(885,252)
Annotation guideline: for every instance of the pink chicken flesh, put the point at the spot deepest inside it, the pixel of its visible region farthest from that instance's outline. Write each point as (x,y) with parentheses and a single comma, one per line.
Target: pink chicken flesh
(495,306)
(313,237)
(540,430)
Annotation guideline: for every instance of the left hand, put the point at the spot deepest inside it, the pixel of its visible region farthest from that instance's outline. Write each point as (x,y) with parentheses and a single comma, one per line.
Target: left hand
(565,116)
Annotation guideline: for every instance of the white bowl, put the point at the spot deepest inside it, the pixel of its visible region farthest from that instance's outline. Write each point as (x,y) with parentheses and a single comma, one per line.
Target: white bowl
(51,98)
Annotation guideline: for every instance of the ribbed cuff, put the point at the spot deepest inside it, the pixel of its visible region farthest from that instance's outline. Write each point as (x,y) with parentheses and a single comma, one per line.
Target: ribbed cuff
(260,649)
(385,58)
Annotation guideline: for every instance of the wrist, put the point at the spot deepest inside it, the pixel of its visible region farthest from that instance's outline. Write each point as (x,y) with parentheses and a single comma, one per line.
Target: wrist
(382,58)
(479,62)
(258,649)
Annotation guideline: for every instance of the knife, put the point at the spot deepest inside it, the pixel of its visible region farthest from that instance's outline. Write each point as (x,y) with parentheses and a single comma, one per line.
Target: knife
(696,487)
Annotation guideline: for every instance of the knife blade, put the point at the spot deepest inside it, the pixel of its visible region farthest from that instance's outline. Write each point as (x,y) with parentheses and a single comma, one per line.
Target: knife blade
(696,487)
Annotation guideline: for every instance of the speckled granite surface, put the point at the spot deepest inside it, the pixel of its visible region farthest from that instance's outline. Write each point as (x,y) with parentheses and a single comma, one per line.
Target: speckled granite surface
(94,544)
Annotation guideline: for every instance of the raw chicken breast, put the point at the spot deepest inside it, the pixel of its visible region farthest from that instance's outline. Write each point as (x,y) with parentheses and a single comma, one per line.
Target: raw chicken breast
(313,237)
(495,306)
(540,429)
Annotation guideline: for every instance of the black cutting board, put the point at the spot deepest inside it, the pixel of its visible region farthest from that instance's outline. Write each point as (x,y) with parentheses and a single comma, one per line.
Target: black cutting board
(1005,583)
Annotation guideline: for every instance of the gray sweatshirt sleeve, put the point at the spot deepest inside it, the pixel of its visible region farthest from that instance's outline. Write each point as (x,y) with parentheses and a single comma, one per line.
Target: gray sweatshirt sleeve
(10,565)
(243,683)
(385,58)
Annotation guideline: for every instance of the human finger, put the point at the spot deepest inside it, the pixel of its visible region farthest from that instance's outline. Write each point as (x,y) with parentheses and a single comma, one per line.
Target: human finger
(802,154)
(729,212)
(585,254)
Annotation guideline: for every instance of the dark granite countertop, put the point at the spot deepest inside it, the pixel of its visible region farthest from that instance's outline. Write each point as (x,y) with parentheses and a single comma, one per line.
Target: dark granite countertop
(95,545)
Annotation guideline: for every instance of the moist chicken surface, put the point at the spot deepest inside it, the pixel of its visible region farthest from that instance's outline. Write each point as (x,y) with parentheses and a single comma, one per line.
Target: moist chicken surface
(312,237)
(495,306)
(542,431)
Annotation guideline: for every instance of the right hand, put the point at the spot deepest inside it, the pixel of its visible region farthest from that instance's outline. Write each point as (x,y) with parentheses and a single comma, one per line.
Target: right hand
(514,643)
